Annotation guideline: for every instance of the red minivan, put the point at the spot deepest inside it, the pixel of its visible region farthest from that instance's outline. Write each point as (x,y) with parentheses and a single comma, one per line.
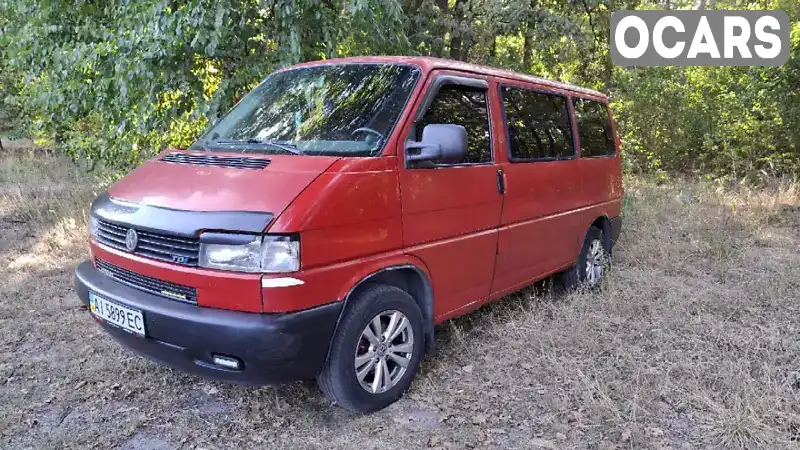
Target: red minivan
(341,210)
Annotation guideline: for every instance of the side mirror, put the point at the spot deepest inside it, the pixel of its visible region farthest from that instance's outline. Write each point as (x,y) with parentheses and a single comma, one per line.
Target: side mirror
(444,143)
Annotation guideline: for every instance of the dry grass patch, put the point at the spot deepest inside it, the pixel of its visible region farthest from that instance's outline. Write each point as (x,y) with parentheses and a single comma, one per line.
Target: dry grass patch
(693,343)
(49,196)
(695,339)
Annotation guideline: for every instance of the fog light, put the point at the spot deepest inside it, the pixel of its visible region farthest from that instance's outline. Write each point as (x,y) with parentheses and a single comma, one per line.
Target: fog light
(228,362)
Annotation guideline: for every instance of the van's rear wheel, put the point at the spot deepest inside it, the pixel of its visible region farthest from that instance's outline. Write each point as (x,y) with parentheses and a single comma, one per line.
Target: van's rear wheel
(593,263)
(376,351)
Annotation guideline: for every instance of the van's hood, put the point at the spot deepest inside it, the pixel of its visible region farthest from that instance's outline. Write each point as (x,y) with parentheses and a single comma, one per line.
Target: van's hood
(195,187)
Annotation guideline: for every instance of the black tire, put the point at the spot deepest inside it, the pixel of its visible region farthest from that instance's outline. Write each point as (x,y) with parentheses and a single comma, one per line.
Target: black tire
(338,379)
(576,276)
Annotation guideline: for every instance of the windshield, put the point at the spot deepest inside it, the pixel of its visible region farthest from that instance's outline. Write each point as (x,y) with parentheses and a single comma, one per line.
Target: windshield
(342,110)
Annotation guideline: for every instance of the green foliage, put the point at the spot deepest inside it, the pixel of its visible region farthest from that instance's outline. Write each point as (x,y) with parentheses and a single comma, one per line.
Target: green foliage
(10,114)
(738,122)
(729,121)
(120,80)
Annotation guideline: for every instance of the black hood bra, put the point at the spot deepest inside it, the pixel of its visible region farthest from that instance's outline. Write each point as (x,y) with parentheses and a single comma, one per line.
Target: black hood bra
(178,222)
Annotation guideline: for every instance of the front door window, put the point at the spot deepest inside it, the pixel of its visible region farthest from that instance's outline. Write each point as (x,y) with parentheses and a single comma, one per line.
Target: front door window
(465,106)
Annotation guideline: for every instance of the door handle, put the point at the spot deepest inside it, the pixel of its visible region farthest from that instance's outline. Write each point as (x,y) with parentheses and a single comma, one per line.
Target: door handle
(501,182)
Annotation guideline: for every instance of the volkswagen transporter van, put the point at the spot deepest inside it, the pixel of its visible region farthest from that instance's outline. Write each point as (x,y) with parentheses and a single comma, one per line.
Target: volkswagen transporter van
(341,210)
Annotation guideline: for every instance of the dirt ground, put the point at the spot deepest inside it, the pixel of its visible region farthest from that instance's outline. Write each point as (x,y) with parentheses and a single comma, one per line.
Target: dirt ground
(694,343)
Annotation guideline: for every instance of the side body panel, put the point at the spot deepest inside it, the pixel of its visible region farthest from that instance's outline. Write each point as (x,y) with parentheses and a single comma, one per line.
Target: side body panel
(450,218)
(332,282)
(539,224)
(348,218)
(549,206)
(601,177)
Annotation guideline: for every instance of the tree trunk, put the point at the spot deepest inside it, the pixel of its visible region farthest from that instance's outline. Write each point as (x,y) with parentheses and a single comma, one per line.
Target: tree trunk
(700,4)
(437,46)
(413,27)
(456,40)
(466,47)
(455,48)
(468,42)
(527,46)
(527,50)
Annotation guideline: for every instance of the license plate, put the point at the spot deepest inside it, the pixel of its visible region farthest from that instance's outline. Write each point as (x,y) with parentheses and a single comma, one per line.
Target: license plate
(117,315)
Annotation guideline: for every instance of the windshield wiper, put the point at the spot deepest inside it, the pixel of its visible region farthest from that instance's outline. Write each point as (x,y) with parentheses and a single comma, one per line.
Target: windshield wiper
(285,146)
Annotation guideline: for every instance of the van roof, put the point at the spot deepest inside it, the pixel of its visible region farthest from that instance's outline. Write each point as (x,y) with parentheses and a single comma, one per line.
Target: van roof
(428,64)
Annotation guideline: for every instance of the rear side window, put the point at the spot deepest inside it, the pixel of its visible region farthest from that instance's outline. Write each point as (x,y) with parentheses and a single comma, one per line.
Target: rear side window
(594,128)
(538,125)
(467,107)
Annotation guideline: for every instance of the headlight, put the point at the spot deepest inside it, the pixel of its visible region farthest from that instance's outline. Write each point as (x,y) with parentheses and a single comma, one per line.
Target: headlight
(248,253)
(94,225)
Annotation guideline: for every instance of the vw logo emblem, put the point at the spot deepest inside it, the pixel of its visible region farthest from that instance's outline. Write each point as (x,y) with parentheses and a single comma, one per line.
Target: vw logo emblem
(131,240)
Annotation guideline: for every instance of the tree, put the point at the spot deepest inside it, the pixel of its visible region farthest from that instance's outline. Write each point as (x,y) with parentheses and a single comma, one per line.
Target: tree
(120,80)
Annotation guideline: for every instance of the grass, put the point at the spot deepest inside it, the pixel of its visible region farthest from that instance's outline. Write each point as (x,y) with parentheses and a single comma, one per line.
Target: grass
(693,343)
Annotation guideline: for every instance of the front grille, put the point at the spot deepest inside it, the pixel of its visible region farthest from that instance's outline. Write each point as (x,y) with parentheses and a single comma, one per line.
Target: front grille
(155,286)
(231,162)
(165,247)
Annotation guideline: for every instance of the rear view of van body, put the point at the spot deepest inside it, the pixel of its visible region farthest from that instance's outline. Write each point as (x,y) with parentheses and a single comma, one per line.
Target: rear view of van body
(344,208)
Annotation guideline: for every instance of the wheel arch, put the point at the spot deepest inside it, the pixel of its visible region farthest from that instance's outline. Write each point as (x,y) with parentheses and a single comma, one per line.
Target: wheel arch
(604,224)
(409,277)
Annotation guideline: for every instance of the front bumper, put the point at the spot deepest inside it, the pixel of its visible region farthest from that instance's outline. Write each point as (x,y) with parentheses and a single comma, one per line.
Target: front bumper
(272,347)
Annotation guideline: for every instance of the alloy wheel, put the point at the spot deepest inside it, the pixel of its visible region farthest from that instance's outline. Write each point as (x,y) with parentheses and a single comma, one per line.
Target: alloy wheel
(383,351)
(595,262)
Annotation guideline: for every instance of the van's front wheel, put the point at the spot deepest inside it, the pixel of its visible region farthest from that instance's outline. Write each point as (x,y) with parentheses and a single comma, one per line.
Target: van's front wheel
(376,351)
